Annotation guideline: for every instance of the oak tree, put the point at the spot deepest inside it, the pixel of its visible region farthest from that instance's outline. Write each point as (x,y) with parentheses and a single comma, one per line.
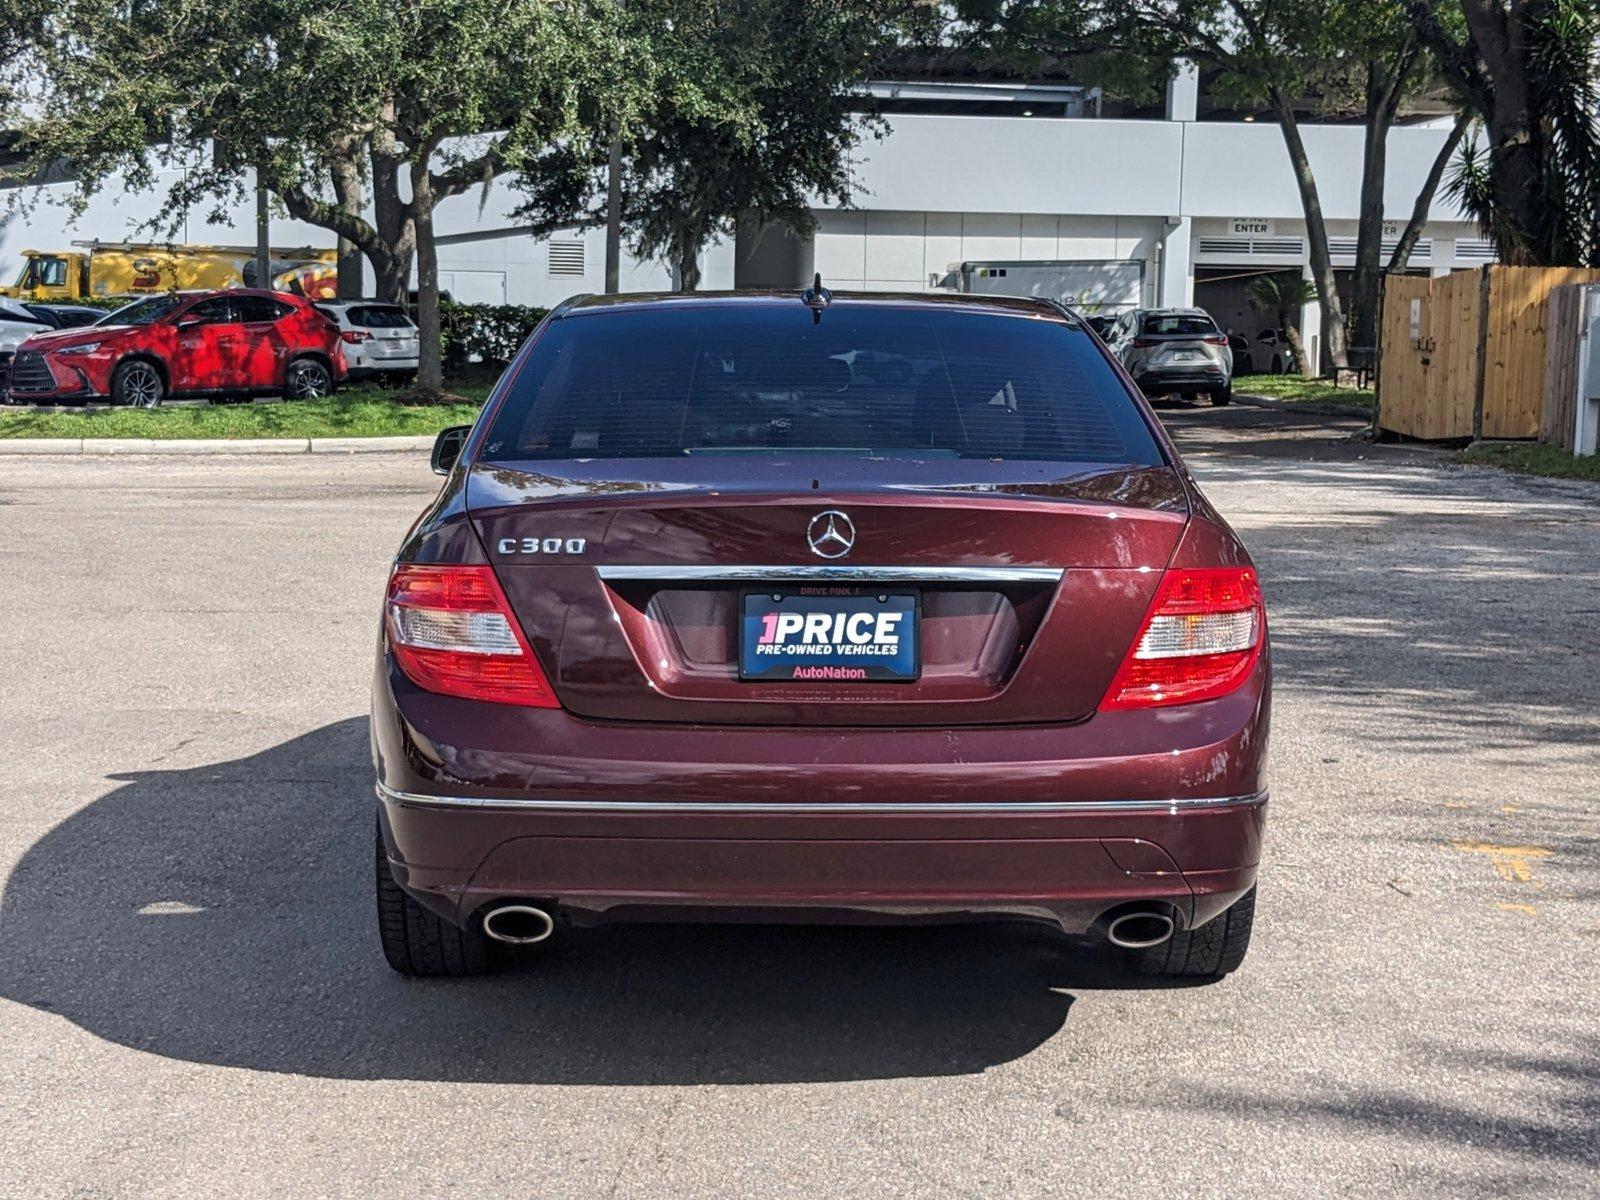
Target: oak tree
(321,100)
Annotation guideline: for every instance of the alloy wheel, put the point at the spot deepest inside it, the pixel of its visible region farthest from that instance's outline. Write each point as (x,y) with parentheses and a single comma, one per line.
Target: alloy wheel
(142,386)
(308,381)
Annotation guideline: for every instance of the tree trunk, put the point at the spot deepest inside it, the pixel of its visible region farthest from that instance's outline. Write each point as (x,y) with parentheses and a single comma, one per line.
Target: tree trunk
(388,242)
(393,278)
(1290,325)
(1500,35)
(430,368)
(396,223)
(688,269)
(614,214)
(1316,235)
(1386,82)
(1491,69)
(347,193)
(1369,236)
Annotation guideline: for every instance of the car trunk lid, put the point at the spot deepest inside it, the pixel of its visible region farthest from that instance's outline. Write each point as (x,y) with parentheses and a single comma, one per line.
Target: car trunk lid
(1031,579)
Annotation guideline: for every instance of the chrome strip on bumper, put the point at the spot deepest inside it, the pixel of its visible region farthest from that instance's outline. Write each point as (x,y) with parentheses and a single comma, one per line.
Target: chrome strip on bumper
(829,573)
(1041,807)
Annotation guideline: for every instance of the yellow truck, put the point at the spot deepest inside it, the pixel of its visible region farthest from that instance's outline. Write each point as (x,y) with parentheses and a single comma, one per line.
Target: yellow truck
(96,269)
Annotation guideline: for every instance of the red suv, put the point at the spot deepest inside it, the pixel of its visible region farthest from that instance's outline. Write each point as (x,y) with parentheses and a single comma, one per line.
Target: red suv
(241,342)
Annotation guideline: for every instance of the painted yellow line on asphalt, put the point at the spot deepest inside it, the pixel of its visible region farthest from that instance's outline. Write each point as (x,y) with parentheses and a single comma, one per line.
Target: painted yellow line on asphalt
(1525,909)
(1514,864)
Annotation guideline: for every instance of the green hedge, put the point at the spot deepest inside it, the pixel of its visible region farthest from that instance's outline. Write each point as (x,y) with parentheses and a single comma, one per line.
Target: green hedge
(490,333)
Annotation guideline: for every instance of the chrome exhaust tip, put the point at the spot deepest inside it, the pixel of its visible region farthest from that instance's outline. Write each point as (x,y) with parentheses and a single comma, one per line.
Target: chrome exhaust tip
(1140,930)
(518,924)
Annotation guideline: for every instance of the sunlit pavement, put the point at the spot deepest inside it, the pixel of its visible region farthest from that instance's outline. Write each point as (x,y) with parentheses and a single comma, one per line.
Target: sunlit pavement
(194,1002)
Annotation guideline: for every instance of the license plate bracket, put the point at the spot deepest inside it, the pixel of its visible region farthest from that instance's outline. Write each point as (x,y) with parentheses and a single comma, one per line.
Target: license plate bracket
(830,635)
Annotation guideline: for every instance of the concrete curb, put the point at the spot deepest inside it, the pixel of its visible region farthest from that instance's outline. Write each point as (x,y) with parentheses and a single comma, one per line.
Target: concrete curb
(190,447)
(369,445)
(41,446)
(1310,408)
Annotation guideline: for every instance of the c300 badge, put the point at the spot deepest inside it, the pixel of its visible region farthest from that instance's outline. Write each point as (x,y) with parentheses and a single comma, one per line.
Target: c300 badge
(542,546)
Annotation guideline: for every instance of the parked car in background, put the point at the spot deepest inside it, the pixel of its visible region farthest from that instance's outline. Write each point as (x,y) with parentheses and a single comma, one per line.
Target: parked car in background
(738,607)
(237,342)
(1175,350)
(66,316)
(1102,324)
(380,340)
(18,323)
(1271,354)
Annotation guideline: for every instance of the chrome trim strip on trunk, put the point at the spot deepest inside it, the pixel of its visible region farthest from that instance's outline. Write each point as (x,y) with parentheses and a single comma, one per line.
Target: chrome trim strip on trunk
(1039,808)
(832,574)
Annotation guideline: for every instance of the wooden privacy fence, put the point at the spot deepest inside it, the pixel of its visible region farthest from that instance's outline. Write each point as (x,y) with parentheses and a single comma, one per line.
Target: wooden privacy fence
(1572,311)
(1463,355)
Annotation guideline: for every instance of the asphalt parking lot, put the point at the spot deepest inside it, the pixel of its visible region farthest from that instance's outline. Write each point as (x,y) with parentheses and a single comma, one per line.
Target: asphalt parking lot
(192,1001)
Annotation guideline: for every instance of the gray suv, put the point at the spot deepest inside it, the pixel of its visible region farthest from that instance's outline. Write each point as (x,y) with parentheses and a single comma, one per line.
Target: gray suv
(1174,350)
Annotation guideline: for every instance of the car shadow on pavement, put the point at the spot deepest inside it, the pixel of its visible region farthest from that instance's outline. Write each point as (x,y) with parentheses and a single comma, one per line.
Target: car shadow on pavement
(223,914)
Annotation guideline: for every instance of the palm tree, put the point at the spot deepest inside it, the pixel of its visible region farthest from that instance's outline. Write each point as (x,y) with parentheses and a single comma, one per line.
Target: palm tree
(1284,296)
(1527,67)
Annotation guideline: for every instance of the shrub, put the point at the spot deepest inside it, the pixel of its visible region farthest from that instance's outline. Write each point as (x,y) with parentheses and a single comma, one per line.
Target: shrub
(487,333)
(109,303)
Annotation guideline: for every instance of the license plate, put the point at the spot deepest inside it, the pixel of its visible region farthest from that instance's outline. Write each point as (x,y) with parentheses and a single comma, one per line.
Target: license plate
(1183,355)
(827,636)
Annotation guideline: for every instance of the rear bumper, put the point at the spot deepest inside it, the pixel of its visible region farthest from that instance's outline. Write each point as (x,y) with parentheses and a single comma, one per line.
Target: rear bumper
(481,802)
(381,367)
(1066,864)
(1176,378)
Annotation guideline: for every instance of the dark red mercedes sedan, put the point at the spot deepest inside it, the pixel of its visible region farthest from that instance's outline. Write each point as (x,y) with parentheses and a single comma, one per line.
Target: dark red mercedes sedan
(787,607)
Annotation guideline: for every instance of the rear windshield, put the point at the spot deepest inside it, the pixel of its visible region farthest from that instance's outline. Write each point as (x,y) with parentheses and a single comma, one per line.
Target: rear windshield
(1167,323)
(379,316)
(709,379)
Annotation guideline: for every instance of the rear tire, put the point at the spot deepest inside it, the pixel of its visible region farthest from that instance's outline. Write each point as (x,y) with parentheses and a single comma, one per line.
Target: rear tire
(307,379)
(137,384)
(1222,397)
(417,941)
(1209,952)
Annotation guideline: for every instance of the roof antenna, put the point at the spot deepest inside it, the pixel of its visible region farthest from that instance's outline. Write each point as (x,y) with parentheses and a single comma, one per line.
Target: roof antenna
(816,298)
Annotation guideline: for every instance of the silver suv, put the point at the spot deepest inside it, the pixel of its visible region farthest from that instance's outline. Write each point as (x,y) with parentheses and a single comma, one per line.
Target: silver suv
(380,340)
(1174,350)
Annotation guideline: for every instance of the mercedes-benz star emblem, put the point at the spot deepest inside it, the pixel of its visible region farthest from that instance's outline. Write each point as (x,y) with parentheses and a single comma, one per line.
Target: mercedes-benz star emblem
(831,534)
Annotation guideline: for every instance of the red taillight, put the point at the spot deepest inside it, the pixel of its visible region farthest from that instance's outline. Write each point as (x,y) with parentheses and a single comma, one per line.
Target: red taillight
(451,631)
(1145,343)
(355,336)
(1216,340)
(1201,639)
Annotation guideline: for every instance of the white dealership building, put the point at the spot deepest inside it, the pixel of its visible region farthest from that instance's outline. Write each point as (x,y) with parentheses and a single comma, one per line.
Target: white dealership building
(965,175)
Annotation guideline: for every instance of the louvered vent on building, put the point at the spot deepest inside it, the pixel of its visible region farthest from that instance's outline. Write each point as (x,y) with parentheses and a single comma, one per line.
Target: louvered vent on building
(1346,248)
(1233,247)
(566,258)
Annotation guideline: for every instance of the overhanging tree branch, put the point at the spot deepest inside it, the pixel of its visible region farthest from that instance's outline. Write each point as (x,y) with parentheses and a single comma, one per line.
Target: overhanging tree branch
(1430,186)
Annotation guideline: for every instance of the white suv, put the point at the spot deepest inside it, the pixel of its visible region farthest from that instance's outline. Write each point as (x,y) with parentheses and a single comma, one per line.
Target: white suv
(1174,350)
(379,339)
(17,325)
